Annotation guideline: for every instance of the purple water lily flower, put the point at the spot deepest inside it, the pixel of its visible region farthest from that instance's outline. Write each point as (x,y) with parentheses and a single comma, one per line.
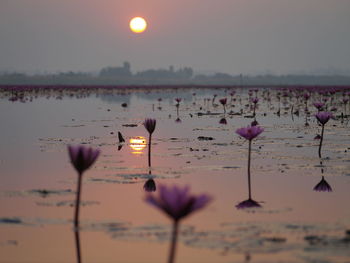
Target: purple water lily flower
(177,202)
(223,101)
(323,117)
(255,100)
(323,186)
(250,132)
(249,203)
(150,125)
(82,157)
(319,105)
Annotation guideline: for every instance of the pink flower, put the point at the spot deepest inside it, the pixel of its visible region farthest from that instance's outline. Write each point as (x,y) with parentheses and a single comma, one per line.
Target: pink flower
(177,202)
(82,157)
(323,117)
(178,100)
(150,125)
(249,132)
(249,203)
(323,186)
(223,101)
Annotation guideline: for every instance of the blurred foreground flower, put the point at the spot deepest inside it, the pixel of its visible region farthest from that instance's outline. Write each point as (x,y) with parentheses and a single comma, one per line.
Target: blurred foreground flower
(323,186)
(82,158)
(177,203)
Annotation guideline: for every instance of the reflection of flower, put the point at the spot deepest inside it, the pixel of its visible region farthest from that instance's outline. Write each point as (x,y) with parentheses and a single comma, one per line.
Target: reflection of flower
(323,186)
(249,203)
(178,120)
(249,132)
(82,157)
(223,121)
(317,137)
(323,117)
(150,125)
(177,202)
(150,185)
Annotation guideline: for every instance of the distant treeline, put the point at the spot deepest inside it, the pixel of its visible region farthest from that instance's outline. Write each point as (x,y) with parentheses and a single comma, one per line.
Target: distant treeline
(182,76)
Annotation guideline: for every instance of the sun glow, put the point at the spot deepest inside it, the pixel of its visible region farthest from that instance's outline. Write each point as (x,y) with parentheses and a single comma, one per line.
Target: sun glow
(138,144)
(138,24)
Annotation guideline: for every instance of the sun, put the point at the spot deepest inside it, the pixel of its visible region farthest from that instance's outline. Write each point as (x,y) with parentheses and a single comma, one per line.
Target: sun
(138,24)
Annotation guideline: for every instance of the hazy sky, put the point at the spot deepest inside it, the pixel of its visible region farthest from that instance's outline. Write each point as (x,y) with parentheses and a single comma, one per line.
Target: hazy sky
(233,36)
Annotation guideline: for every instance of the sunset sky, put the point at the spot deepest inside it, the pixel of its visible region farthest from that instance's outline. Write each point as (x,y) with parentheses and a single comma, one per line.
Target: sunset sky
(232,36)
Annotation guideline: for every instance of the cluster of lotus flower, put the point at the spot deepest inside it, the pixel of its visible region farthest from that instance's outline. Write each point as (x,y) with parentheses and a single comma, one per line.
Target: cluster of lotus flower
(175,201)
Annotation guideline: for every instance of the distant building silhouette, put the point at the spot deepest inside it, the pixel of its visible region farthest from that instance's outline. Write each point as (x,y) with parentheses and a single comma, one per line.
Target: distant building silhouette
(124,71)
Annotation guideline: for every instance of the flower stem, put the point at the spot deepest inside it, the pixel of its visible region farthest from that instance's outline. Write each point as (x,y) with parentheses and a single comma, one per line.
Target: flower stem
(173,242)
(149,150)
(249,184)
(77,244)
(77,203)
(321,140)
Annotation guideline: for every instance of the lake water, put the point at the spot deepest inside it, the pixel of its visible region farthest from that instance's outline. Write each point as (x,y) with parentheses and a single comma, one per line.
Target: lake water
(191,146)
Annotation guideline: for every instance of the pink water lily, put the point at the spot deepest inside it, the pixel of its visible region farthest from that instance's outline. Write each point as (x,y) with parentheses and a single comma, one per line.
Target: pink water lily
(250,132)
(82,158)
(177,202)
(323,117)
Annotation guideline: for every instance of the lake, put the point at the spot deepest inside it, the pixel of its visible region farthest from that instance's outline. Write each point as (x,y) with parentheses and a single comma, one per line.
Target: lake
(194,143)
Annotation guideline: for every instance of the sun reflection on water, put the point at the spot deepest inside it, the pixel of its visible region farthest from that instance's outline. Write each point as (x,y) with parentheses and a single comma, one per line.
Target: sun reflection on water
(138,144)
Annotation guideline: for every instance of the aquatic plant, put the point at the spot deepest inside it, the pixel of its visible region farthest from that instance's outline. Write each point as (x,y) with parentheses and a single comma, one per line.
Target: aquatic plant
(249,133)
(255,102)
(223,102)
(82,158)
(177,203)
(150,125)
(322,117)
